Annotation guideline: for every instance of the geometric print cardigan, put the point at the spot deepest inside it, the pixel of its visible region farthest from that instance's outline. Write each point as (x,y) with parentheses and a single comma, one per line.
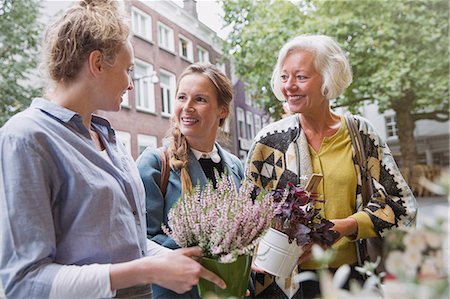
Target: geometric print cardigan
(280,153)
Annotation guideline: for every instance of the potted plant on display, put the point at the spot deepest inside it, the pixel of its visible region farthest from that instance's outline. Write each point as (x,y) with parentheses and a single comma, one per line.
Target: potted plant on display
(296,223)
(227,224)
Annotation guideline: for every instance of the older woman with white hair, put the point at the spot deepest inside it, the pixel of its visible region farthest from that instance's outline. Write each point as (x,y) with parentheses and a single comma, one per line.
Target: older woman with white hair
(310,71)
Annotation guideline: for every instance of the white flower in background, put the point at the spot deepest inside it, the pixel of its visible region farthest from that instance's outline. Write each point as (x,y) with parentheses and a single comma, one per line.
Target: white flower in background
(416,240)
(331,286)
(412,257)
(323,257)
(409,271)
(429,269)
(394,262)
(433,239)
(438,256)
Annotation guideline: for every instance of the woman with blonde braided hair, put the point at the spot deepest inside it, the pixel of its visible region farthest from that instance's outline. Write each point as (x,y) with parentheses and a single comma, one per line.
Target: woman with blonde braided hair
(202,104)
(72,209)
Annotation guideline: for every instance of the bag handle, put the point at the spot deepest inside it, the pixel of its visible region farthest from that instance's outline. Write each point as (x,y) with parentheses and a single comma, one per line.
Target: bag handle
(355,136)
(165,170)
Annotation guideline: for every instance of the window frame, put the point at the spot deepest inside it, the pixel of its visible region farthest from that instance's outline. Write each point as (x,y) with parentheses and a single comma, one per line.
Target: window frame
(250,126)
(391,126)
(170,38)
(190,48)
(142,31)
(258,124)
(206,54)
(240,120)
(144,140)
(140,82)
(171,88)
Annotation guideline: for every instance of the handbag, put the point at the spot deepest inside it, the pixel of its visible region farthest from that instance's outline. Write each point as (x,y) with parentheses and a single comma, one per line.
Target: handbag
(371,248)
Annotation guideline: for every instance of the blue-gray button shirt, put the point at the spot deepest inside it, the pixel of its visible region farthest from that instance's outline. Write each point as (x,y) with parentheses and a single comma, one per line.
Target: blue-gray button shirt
(61,201)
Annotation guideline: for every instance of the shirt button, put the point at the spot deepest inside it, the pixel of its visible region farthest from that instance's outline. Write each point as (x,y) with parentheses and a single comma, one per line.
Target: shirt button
(134,213)
(142,252)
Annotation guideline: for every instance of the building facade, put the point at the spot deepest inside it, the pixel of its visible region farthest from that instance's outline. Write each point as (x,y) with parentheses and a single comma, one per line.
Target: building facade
(249,119)
(166,38)
(432,137)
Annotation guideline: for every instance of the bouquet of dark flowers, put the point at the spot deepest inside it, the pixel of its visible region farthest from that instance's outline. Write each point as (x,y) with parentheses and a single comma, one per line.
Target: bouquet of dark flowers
(225,222)
(296,216)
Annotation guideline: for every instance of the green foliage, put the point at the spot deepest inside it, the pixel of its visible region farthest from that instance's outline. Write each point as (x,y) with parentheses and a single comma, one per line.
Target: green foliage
(19,39)
(259,30)
(398,49)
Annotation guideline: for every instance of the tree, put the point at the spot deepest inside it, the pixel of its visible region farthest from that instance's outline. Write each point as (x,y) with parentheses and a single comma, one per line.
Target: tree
(259,28)
(398,51)
(20,32)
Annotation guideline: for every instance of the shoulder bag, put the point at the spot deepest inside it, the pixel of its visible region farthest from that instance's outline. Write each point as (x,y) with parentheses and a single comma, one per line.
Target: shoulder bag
(371,248)
(165,170)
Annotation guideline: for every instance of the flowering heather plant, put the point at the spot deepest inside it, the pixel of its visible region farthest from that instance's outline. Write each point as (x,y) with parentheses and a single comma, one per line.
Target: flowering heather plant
(224,222)
(296,216)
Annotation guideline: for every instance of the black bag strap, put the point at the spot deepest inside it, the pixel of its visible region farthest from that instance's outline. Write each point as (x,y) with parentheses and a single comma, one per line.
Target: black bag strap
(355,136)
(165,170)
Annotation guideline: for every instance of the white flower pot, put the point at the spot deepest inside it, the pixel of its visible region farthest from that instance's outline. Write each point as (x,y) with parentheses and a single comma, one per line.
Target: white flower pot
(276,255)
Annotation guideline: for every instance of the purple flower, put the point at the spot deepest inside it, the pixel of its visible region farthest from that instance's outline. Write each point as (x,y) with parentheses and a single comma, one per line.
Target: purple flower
(295,215)
(224,222)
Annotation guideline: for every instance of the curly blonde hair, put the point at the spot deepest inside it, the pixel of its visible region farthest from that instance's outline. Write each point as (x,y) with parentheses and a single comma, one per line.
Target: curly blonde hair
(178,147)
(88,25)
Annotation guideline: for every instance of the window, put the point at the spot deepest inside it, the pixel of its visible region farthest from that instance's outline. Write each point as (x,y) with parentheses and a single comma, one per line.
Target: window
(249,119)
(145,141)
(167,84)
(141,24)
(257,123)
(125,139)
(185,48)
(143,87)
(203,55)
(226,125)
(240,122)
(125,100)
(222,67)
(248,96)
(165,37)
(391,125)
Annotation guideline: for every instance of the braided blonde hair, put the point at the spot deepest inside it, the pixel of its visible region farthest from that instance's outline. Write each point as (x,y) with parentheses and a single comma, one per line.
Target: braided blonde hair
(178,147)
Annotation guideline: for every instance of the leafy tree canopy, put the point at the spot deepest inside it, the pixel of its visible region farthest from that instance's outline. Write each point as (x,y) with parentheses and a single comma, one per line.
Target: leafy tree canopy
(19,37)
(398,49)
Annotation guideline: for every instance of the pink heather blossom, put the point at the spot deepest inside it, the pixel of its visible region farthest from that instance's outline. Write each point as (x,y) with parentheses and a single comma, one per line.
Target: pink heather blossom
(224,222)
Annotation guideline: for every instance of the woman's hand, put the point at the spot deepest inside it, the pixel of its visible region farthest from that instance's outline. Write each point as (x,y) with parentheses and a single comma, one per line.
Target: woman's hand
(181,272)
(345,227)
(257,269)
(307,254)
(176,270)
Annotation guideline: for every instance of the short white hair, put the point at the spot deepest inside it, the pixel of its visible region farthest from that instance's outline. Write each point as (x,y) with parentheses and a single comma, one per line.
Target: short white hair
(330,62)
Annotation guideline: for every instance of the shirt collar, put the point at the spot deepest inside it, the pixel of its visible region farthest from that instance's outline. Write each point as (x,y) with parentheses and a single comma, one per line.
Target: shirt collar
(66,115)
(213,155)
(57,111)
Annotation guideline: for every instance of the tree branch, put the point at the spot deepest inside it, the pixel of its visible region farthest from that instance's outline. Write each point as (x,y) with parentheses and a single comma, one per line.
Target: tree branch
(350,103)
(438,115)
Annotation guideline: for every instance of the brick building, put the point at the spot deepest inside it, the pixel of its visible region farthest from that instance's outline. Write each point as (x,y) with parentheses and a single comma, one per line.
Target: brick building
(167,38)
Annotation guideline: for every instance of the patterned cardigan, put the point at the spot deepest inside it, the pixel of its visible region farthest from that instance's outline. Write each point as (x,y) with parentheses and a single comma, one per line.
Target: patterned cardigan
(280,154)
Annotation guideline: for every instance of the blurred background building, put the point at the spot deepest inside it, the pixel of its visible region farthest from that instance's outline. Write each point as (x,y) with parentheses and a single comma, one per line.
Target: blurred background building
(167,37)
